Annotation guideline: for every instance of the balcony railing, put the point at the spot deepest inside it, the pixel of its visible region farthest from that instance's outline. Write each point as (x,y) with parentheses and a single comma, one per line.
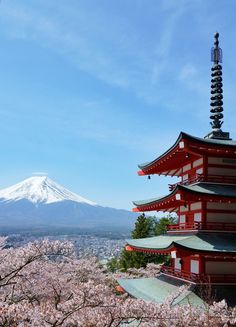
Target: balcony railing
(183,226)
(199,278)
(180,274)
(210,179)
(203,226)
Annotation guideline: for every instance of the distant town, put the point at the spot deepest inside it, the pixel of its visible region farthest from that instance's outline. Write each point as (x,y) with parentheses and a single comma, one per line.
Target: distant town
(103,248)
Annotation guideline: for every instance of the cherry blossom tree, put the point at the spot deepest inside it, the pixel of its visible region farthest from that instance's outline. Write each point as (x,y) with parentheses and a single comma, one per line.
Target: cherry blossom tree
(42,284)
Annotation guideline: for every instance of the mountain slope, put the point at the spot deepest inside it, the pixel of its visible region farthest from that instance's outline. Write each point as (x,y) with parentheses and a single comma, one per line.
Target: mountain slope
(40,189)
(39,201)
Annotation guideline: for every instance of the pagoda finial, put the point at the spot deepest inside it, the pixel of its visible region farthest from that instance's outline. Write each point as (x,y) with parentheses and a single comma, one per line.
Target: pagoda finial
(216,51)
(216,93)
(216,86)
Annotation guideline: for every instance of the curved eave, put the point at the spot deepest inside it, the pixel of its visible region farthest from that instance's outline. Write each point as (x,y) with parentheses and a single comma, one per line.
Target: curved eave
(196,250)
(152,166)
(194,192)
(168,201)
(205,242)
(157,244)
(209,243)
(225,192)
(152,251)
(175,245)
(175,156)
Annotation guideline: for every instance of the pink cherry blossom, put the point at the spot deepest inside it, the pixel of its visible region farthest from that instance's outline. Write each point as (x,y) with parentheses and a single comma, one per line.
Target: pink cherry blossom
(42,284)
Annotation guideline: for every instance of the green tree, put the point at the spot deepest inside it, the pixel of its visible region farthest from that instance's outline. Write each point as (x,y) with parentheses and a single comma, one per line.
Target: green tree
(161,229)
(161,224)
(144,227)
(113,264)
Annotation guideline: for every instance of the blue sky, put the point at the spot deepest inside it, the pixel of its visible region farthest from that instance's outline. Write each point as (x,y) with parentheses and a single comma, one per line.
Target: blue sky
(89,89)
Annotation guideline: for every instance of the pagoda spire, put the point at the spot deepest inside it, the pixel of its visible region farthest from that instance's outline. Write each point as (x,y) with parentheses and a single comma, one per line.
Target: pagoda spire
(216,93)
(216,86)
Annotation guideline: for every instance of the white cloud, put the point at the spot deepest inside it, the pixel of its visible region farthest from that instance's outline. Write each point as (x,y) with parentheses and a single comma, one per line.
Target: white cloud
(109,49)
(188,71)
(39,173)
(113,55)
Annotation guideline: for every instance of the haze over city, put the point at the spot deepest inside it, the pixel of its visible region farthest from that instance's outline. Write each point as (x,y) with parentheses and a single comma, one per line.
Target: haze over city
(90,89)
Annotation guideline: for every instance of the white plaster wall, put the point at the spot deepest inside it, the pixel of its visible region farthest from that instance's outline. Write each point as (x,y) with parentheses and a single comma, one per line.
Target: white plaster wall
(177,263)
(194,266)
(198,162)
(183,208)
(198,216)
(186,167)
(196,206)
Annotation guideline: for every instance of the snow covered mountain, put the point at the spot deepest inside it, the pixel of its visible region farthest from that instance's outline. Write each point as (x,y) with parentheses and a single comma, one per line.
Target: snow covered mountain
(39,201)
(40,189)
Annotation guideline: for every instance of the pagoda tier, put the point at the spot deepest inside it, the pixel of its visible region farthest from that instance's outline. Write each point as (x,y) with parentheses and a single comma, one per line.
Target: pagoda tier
(200,258)
(207,243)
(183,194)
(199,207)
(189,149)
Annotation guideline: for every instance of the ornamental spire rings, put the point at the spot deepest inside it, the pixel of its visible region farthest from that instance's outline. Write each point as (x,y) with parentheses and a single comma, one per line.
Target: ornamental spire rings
(216,86)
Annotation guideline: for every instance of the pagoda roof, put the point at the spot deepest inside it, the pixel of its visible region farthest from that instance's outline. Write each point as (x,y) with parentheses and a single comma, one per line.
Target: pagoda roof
(194,192)
(162,242)
(158,289)
(211,188)
(177,155)
(206,242)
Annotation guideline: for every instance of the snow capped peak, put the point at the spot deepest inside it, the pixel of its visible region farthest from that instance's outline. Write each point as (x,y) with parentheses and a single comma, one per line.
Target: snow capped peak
(40,189)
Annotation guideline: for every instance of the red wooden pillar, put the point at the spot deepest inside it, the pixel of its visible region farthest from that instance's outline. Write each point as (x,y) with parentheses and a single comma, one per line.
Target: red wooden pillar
(204,210)
(201,264)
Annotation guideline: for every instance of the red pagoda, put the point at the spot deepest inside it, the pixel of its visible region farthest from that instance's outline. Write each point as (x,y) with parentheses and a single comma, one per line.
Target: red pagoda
(202,244)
